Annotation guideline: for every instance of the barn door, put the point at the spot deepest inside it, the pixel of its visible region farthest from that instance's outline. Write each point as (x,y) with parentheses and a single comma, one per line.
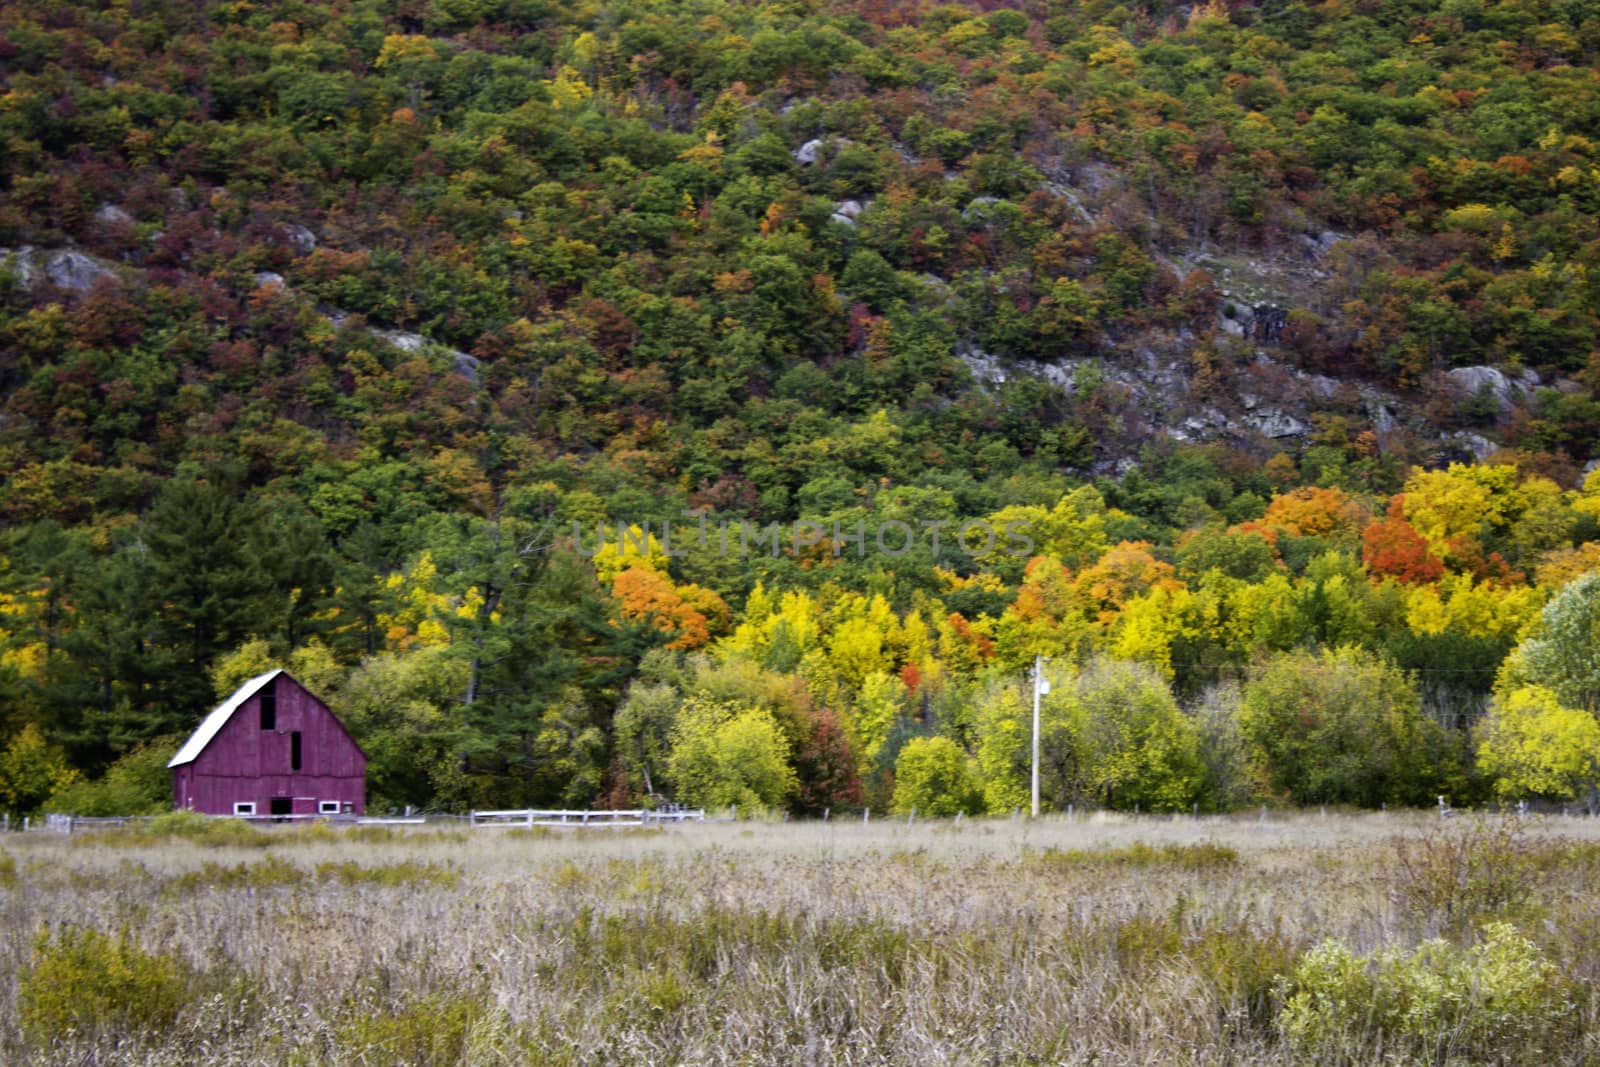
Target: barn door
(305,805)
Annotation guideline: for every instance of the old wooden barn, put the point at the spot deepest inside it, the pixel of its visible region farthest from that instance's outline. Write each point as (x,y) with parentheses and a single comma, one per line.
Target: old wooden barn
(272,748)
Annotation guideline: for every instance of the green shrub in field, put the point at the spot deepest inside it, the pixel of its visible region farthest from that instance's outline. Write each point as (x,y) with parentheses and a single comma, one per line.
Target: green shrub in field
(207,830)
(8,871)
(1500,1001)
(1205,856)
(270,873)
(90,982)
(392,874)
(445,1028)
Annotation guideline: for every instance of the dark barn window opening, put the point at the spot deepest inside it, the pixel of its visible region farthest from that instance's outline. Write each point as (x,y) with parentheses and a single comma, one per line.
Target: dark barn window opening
(269,706)
(294,751)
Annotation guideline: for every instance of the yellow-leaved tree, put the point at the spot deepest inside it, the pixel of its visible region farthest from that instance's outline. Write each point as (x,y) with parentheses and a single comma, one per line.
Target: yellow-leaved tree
(623,547)
(32,770)
(864,633)
(726,754)
(1532,745)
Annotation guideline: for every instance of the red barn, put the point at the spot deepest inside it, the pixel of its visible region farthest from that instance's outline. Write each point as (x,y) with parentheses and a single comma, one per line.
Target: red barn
(271,749)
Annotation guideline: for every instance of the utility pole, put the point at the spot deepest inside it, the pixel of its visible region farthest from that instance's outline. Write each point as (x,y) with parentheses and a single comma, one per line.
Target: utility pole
(1040,687)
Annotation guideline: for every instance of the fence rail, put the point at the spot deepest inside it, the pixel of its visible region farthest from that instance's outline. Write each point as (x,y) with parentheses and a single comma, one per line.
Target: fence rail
(525,817)
(67,824)
(641,817)
(530,817)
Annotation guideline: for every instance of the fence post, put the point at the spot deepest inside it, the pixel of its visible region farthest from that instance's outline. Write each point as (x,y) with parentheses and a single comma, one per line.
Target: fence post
(866,814)
(913,816)
(1069,813)
(825,812)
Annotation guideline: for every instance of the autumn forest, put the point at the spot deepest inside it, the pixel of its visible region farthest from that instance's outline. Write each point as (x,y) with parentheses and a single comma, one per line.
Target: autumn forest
(332,333)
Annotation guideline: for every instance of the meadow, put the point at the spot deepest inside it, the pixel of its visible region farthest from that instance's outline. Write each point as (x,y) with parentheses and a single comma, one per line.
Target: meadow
(1395,938)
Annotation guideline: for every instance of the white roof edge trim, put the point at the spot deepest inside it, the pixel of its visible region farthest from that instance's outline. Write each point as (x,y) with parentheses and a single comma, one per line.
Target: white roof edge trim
(212,724)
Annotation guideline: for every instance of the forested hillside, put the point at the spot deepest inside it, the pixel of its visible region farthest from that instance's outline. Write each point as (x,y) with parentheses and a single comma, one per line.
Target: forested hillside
(325,328)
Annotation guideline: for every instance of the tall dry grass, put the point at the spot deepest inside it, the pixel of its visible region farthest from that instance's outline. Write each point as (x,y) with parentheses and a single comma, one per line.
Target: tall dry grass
(1106,940)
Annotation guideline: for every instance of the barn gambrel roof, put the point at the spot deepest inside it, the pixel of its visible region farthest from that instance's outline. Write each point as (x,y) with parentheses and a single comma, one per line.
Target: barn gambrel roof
(213,723)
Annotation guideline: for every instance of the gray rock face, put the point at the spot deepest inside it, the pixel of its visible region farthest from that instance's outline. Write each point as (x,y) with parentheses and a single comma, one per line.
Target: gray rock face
(18,262)
(405,342)
(74,270)
(1060,375)
(1476,445)
(1098,177)
(1261,323)
(302,240)
(266,277)
(1317,245)
(985,368)
(1276,424)
(1070,195)
(467,366)
(112,215)
(464,363)
(1383,420)
(845,211)
(65,268)
(1507,391)
(806,154)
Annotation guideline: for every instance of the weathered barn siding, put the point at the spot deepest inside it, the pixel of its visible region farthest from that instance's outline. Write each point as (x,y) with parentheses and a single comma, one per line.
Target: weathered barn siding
(244,763)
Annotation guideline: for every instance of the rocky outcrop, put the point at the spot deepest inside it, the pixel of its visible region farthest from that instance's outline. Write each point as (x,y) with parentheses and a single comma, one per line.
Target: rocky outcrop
(1262,402)
(302,240)
(463,363)
(1507,391)
(112,215)
(65,268)
(845,211)
(810,153)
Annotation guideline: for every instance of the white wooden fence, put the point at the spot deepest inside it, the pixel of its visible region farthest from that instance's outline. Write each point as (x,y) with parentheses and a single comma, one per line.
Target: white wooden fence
(529,817)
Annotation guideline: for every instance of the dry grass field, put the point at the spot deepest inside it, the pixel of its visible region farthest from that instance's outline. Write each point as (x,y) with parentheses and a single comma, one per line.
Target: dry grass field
(1109,940)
